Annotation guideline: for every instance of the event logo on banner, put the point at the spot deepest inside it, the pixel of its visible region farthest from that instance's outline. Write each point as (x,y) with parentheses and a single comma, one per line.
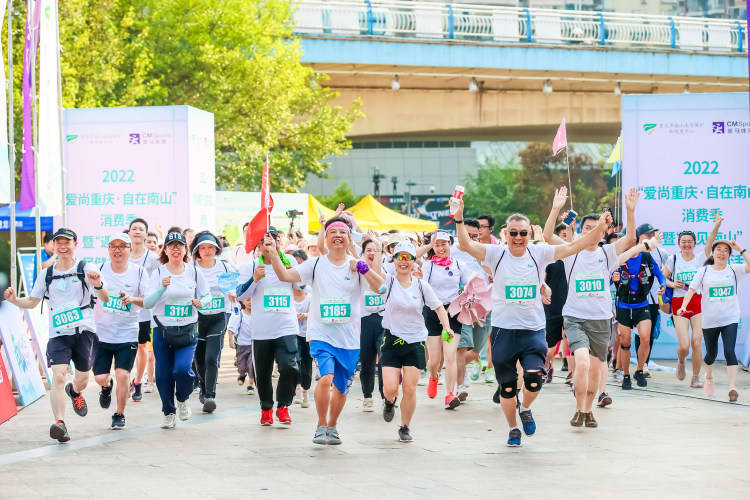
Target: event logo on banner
(687,155)
(7,401)
(20,355)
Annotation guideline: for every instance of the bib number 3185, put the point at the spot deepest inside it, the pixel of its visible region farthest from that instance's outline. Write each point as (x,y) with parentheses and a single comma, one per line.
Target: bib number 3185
(335,311)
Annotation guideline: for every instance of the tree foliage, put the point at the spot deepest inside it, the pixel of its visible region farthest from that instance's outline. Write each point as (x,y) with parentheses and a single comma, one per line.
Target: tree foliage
(342,194)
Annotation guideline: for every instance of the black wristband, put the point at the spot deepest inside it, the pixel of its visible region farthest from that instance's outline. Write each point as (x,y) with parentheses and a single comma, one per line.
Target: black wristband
(99,287)
(645,244)
(743,251)
(458,221)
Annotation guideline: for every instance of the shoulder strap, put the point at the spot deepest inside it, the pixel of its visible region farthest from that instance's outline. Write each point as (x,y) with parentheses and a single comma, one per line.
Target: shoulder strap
(432,264)
(567,281)
(390,287)
(538,277)
(145,257)
(735,278)
(498,262)
(421,291)
(314,266)
(225,266)
(606,257)
(48,278)
(101,268)
(195,269)
(674,266)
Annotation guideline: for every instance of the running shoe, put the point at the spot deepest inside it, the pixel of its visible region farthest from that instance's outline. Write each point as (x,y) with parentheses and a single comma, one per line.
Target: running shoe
(514,437)
(59,431)
(298,396)
(201,396)
(184,411)
(209,405)
(432,387)
(565,365)
(79,403)
(626,383)
(169,422)
(578,419)
(463,392)
(389,410)
(105,395)
(640,378)
(680,369)
(496,396)
(320,435)
(283,415)
(489,375)
(367,405)
(589,420)
(695,382)
(241,380)
(332,436)
(708,386)
(305,400)
(250,390)
(604,400)
(646,372)
(569,378)
(148,387)
(618,375)
(473,369)
(118,421)
(733,395)
(550,372)
(266,417)
(137,395)
(403,434)
(529,426)
(422,378)
(451,401)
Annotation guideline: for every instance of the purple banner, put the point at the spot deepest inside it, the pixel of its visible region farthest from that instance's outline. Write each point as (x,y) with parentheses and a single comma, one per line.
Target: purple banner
(31,42)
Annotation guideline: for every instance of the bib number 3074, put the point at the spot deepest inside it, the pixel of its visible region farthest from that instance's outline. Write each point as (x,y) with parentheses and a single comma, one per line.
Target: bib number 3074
(520,292)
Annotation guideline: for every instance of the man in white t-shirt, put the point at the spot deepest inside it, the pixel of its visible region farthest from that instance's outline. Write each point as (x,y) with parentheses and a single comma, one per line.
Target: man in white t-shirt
(336,282)
(518,319)
(587,312)
(71,287)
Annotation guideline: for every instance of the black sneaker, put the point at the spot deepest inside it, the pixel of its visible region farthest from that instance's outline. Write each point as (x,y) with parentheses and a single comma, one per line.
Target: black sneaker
(209,405)
(640,379)
(105,395)
(241,380)
(565,365)
(389,410)
(118,421)
(403,434)
(496,396)
(79,403)
(137,395)
(626,383)
(201,397)
(59,431)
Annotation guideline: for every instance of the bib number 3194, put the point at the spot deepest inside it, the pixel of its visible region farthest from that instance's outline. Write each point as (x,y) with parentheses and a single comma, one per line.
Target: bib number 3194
(115,306)
(335,310)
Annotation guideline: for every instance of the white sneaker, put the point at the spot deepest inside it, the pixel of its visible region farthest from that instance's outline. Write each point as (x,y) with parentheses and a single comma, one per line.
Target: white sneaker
(148,387)
(422,379)
(463,392)
(618,375)
(305,400)
(169,421)
(298,397)
(184,411)
(367,405)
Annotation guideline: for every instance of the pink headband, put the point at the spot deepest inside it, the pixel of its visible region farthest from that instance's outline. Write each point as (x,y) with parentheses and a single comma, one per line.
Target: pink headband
(337,224)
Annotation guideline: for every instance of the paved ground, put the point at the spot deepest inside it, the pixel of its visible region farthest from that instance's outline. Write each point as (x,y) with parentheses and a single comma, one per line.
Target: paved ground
(667,441)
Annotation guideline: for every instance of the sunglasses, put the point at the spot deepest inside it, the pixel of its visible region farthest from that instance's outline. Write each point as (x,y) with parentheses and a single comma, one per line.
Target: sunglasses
(404,256)
(522,233)
(474,237)
(118,247)
(450,273)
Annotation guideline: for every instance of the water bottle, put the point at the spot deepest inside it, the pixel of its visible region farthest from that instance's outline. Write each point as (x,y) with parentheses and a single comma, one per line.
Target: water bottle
(458,193)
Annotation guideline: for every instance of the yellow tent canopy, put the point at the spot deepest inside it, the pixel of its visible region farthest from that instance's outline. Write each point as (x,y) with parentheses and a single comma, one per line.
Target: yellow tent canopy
(314,209)
(371,214)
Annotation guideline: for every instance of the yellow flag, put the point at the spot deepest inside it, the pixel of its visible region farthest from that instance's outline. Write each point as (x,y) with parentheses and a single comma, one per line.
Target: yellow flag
(615,155)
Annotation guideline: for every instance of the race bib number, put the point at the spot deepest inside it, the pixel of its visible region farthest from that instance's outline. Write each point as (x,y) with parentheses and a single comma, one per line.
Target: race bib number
(520,291)
(589,285)
(685,276)
(719,292)
(335,310)
(115,305)
(69,316)
(178,312)
(216,305)
(277,300)
(374,302)
(228,282)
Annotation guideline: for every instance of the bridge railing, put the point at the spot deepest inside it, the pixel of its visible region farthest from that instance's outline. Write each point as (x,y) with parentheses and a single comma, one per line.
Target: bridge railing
(424,20)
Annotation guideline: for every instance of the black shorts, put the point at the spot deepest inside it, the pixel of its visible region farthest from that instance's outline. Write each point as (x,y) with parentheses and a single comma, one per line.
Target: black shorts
(79,348)
(432,322)
(144,332)
(512,346)
(211,325)
(554,330)
(630,318)
(396,353)
(123,354)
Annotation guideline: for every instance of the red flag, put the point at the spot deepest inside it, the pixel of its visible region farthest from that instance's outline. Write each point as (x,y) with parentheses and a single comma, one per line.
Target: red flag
(561,139)
(259,225)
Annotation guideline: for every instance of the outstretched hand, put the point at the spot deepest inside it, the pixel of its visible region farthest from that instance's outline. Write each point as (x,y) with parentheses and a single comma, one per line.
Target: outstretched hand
(631,199)
(561,196)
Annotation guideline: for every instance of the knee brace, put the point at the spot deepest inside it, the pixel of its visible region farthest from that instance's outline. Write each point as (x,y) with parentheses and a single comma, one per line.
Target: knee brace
(532,381)
(508,390)
(625,347)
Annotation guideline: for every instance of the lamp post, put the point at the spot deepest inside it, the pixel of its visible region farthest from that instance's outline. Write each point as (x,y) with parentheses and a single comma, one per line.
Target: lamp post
(394,181)
(407,196)
(376,178)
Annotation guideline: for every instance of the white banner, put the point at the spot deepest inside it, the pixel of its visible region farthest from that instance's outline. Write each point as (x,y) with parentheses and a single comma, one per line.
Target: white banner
(4,163)
(49,167)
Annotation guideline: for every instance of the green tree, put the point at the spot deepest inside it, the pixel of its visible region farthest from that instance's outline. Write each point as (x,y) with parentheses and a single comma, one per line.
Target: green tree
(342,194)
(489,190)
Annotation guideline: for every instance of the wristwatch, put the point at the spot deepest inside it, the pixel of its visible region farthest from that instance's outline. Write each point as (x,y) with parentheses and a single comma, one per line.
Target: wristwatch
(99,287)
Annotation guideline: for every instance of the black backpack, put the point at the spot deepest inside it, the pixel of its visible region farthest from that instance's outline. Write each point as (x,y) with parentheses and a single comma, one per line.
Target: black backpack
(80,274)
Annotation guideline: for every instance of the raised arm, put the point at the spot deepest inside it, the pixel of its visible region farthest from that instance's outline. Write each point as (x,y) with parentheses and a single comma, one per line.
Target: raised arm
(588,239)
(737,248)
(644,246)
(22,302)
(473,248)
(271,254)
(558,202)
(631,200)
(718,219)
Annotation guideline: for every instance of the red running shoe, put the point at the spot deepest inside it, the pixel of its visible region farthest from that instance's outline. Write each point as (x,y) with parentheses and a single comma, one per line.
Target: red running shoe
(266,417)
(451,401)
(283,415)
(432,387)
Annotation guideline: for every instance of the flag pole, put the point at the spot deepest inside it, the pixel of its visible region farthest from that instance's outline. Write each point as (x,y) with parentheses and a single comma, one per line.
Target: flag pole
(35,137)
(60,116)
(570,185)
(268,213)
(11,153)
(619,180)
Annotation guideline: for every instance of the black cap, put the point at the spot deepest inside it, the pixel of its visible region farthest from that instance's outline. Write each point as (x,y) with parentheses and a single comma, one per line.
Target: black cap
(64,232)
(273,231)
(644,229)
(172,237)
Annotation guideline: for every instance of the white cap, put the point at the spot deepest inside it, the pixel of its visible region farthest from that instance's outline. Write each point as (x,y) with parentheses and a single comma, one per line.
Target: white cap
(405,246)
(442,235)
(122,237)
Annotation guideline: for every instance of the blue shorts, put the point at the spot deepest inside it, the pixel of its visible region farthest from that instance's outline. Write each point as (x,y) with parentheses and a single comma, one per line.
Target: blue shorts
(341,363)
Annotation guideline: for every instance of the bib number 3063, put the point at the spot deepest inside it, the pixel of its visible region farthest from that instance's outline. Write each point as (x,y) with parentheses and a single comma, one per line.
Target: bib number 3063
(67,318)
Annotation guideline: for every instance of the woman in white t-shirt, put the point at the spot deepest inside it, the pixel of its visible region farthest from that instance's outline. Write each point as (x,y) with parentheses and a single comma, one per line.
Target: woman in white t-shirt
(371,332)
(717,283)
(403,350)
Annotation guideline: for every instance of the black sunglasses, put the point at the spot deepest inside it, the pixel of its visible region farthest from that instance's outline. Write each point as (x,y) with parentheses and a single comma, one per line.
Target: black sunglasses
(523,233)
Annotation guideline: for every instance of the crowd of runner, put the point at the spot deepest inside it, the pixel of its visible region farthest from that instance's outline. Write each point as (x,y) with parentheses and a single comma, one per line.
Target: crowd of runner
(401,308)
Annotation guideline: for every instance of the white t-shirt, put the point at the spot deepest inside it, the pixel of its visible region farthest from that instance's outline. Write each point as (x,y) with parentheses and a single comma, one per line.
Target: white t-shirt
(469,261)
(588,273)
(660,259)
(685,270)
(273,315)
(516,297)
(174,307)
(219,299)
(240,325)
(403,309)
(66,296)
(302,307)
(148,261)
(718,290)
(239,255)
(334,302)
(446,281)
(115,322)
